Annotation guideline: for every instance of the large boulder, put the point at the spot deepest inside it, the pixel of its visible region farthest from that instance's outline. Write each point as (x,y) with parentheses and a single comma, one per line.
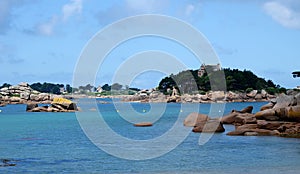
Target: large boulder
(267,106)
(252,94)
(174,99)
(216,95)
(268,114)
(64,104)
(258,97)
(232,96)
(39,109)
(192,119)
(283,101)
(31,106)
(297,98)
(14,99)
(264,93)
(231,118)
(25,95)
(209,126)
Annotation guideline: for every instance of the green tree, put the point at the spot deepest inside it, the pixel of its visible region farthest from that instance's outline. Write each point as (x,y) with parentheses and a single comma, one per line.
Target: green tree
(69,89)
(106,87)
(5,85)
(116,86)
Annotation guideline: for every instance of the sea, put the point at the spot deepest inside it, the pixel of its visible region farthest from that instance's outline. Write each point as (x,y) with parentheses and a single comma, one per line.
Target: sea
(83,143)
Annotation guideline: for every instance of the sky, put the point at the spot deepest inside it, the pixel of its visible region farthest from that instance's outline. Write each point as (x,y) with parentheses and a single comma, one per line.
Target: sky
(42,41)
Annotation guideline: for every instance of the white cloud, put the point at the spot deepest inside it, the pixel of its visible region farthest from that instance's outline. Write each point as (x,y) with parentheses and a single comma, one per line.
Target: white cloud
(74,7)
(284,12)
(189,9)
(48,27)
(68,10)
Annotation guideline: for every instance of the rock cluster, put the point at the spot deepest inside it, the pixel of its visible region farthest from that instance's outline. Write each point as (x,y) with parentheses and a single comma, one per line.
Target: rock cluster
(280,117)
(22,93)
(202,123)
(209,97)
(58,105)
(221,96)
(146,96)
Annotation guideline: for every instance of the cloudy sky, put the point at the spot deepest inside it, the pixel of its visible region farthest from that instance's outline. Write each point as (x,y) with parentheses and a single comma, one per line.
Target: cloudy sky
(42,40)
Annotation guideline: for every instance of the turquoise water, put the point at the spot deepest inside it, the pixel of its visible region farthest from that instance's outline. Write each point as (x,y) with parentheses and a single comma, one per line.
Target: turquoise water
(55,143)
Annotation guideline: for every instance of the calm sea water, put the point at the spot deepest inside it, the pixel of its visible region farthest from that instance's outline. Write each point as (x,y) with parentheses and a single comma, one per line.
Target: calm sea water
(55,143)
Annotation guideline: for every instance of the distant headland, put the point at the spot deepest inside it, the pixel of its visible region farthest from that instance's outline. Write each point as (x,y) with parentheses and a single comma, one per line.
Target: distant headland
(187,86)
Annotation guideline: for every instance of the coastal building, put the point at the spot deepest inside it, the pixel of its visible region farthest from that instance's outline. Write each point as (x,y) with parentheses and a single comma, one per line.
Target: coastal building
(99,89)
(208,68)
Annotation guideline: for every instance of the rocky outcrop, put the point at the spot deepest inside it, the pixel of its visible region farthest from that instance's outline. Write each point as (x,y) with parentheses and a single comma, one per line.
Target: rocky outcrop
(22,93)
(280,117)
(285,108)
(209,97)
(239,117)
(209,126)
(202,123)
(192,119)
(57,105)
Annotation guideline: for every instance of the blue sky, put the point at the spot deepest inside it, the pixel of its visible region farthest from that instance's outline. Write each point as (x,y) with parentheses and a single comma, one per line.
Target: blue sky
(41,40)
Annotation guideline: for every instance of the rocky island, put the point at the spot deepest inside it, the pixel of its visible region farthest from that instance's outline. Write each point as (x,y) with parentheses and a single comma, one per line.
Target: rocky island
(280,117)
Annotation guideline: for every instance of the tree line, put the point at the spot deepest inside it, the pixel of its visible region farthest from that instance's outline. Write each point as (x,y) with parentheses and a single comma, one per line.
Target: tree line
(236,80)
